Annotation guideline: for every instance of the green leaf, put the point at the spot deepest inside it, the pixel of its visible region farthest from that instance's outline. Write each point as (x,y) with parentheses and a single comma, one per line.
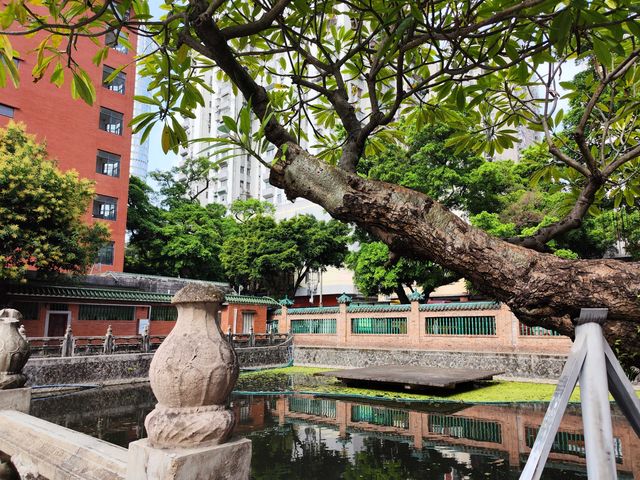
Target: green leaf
(57,77)
(165,140)
(245,120)
(602,51)
(230,123)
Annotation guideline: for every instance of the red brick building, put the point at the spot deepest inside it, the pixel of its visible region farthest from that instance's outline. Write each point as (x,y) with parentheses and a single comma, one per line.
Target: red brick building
(94,140)
(49,309)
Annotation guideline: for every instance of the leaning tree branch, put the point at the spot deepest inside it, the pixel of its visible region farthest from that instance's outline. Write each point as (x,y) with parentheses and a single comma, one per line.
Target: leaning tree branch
(263,23)
(570,222)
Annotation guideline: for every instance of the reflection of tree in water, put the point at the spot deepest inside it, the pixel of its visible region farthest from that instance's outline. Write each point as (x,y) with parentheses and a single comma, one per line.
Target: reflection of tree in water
(384,459)
(280,454)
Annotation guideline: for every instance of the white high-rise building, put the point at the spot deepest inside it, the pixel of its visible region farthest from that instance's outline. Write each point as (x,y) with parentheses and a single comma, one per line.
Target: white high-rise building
(140,150)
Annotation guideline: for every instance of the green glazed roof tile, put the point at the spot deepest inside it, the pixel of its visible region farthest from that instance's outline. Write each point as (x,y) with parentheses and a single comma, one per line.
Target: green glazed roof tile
(378,308)
(86,293)
(444,307)
(250,300)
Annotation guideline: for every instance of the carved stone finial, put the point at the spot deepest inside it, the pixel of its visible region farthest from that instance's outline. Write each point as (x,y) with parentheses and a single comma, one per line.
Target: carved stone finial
(344,298)
(68,332)
(109,331)
(23,332)
(415,296)
(286,301)
(14,350)
(192,374)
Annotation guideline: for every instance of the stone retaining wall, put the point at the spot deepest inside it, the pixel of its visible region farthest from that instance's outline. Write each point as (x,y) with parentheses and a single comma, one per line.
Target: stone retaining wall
(109,368)
(513,364)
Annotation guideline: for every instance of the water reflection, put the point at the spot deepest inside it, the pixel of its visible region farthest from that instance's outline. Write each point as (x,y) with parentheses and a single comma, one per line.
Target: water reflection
(305,437)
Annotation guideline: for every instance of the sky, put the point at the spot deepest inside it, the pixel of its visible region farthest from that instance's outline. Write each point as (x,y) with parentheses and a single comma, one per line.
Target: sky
(157,159)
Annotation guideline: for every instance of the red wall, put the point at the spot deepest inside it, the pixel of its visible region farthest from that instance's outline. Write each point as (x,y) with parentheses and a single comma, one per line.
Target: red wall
(327,301)
(259,318)
(70,127)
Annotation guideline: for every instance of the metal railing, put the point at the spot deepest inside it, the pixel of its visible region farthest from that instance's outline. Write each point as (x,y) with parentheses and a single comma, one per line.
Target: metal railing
(463,427)
(379,326)
(476,325)
(387,417)
(313,406)
(527,331)
(325,326)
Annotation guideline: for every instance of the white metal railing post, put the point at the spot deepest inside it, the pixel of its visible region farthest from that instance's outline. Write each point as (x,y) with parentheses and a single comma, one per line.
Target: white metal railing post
(593,361)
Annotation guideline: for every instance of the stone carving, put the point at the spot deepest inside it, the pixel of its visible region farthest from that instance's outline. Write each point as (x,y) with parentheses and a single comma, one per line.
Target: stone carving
(192,374)
(14,350)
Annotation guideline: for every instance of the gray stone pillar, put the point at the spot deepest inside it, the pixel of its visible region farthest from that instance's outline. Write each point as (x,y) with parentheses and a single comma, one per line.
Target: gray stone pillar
(192,375)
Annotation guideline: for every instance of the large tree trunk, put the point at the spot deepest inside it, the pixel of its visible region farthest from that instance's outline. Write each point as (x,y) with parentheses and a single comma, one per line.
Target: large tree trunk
(540,288)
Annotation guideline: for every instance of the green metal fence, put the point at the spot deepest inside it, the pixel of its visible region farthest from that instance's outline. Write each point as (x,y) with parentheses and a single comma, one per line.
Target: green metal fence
(527,331)
(326,326)
(313,406)
(485,325)
(463,427)
(379,326)
(387,417)
(570,443)
(106,312)
(165,313)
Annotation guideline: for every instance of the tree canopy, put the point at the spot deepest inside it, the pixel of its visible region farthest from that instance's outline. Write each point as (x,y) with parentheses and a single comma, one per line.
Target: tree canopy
(41,210)
(182,239)
(266,256)
(349,70)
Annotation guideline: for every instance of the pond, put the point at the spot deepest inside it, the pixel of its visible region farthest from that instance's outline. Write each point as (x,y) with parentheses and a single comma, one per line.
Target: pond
(310,437)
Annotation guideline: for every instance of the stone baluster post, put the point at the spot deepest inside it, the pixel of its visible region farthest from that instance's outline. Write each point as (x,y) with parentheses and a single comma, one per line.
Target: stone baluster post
(14,350)
(252,338)
(283,324)
(68,343)
(414,327)
(230,336)
(271,336)
(23,332)
(343,328)
(192,375)
(146,339)
(109,344)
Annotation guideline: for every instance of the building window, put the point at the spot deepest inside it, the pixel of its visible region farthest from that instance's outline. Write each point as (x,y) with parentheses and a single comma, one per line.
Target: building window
(105,207)
(111,40)
(241,169)
(105,254)
(247,321)
(117,84)
(108,164)
(6,110)
(110,121)
(167,313)
(29,310)
(106,312)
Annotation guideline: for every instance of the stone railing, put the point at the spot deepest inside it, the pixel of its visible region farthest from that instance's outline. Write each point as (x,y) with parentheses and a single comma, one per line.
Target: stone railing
(465,326)
(71,345)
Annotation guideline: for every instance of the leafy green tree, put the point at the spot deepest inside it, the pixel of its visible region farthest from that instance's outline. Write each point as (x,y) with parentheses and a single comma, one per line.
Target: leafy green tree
(41,210)
(374,272)
(350,70)
(144,225)
(183,239)
(265,256)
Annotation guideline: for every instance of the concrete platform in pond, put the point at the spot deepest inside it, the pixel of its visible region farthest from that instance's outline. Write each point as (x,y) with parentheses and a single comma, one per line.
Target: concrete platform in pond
(410,377)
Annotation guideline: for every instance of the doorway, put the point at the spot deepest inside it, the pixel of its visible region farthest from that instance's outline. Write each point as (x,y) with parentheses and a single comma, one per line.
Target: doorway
(57,324)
